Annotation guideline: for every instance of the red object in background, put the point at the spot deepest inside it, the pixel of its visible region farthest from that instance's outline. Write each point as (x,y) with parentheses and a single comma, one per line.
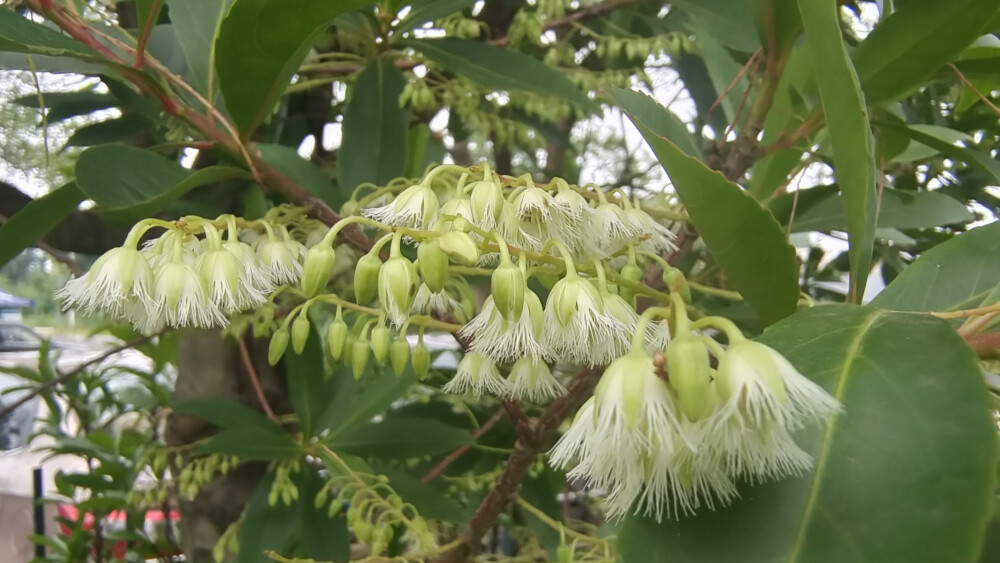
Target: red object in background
(116,521)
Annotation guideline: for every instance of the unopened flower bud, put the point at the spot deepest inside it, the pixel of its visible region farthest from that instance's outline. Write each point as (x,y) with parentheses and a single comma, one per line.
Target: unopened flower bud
(420,359)
(399,355)
(317,269)
(300,333)
(397,285)
(433,264)
(459,247)
(675,281)
(689,371)
(279,342)
(380,339)
(461,224)
(350,208)
(508,287)
(631,272)
(336,337)
(487,201)
(366,278)
(359,357)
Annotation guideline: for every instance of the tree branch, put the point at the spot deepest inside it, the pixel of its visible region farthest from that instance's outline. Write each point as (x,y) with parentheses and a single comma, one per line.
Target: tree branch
(576,16)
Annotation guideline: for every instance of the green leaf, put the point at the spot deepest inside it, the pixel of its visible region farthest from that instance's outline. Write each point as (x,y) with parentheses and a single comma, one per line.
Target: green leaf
(725,20)
(401,438)
(21,35)
(501,69)
(429,501)
(914,42)
(110,131)
(957,274)
(227,413)
(265,527)
(972,157)
(64,105)
(423,11)
(351,408)
(819,209)
(320,536)
(850,134)
(36,219)
(659,119)
(906,473)
(744,238)
(304,172)
(722,70)
(127,180)
(778,25)
(310,387)
(195,24)
(373,148)
(250,444)
(143,9)
(260,45)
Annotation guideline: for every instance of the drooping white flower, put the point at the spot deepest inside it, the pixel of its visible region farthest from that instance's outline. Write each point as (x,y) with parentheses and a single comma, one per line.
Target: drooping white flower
(233,274)
(442,303)
(505,341)
(527,218)
(573,218)
(416,206)
(487,203)
(476,374)
(397,287)
(577,326)
(611,229)
(281,257)
(655,237)
(531,379)
(616,307)
(181,299)
(118,277)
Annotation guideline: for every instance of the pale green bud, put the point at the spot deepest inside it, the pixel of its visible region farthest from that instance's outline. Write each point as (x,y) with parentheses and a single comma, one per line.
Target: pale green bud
(487,202)
(631,272)
(564,554)
(276,349)
(336,337)
(363,531)
(675,281)
(359,357)
(420,359)
(459,247)
(508,286)
(461,224)
(317,269)
(399,355)
(689,371)
(300,333)
(380,338)
(366,278)
(397,285)
(348,351)
(433,264)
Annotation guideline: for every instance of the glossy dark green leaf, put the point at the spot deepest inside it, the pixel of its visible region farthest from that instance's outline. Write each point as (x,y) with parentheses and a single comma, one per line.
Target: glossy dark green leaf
(265,527)
(36,219)
(227,413)
(957,274)
(914,42)
(127,180)
(820,209)
(906,473)
(501,69)
(310,387)
(63,105)
(429,501)
(664,122)
(850,134)
(972,157)
(354,405)
(319,536)
(778,25)
(305,173)
(20,35)
(110,131)
(744,237)
(725,20)
(260,45)
(250,444)
(195,23)
(423,11)
(723,70)
(373,148)
(400,438)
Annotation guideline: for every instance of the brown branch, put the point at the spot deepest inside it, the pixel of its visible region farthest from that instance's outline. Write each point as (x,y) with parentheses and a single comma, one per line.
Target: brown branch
(438,469)
(984,344)
(576,16)
(975,90)
(82,366)
(507,485)
(254,379)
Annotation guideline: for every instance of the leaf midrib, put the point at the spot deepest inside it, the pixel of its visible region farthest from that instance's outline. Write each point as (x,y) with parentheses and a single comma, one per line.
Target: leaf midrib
(814,486)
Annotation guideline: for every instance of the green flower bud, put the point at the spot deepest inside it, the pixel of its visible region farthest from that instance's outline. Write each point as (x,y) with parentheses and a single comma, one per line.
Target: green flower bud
(350,208)
(366,278)
(420,359)
(336,337)
(348,350)
(689,370)
(564,554)
(363,531)
(460,247)
(359,357)
(300,333)
(317,269)
(631,272)
(279,342)
(487,202)
(399,355)
(397,285)
(675,281)
(433,264)
(380,338)
(508,287)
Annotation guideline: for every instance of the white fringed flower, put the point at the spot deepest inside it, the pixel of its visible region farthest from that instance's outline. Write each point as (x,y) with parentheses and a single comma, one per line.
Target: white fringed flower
(527,221)
(236,281)
(504,341)
(181,299)
(397,288)
(573,218)
(416,206)
(576,325)
(118,277)
(611,229)
(443,303)
(531,379)
(487,203)
(616,307)
(281,258)
(655,236)
(476,374)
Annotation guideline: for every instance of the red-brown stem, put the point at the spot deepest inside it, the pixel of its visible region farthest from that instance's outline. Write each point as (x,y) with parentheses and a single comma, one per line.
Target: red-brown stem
(147,29)
(254,380)
(438,469)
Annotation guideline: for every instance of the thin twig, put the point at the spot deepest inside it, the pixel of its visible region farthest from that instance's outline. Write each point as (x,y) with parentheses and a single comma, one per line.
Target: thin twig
(972,87)
(82,366)
(438,469)
(147,30)
(254,379)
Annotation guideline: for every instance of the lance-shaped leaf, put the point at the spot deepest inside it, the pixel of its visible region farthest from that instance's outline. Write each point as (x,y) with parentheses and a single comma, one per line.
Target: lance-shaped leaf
(744,238)
(36,219)
(905,473)
(195,24)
